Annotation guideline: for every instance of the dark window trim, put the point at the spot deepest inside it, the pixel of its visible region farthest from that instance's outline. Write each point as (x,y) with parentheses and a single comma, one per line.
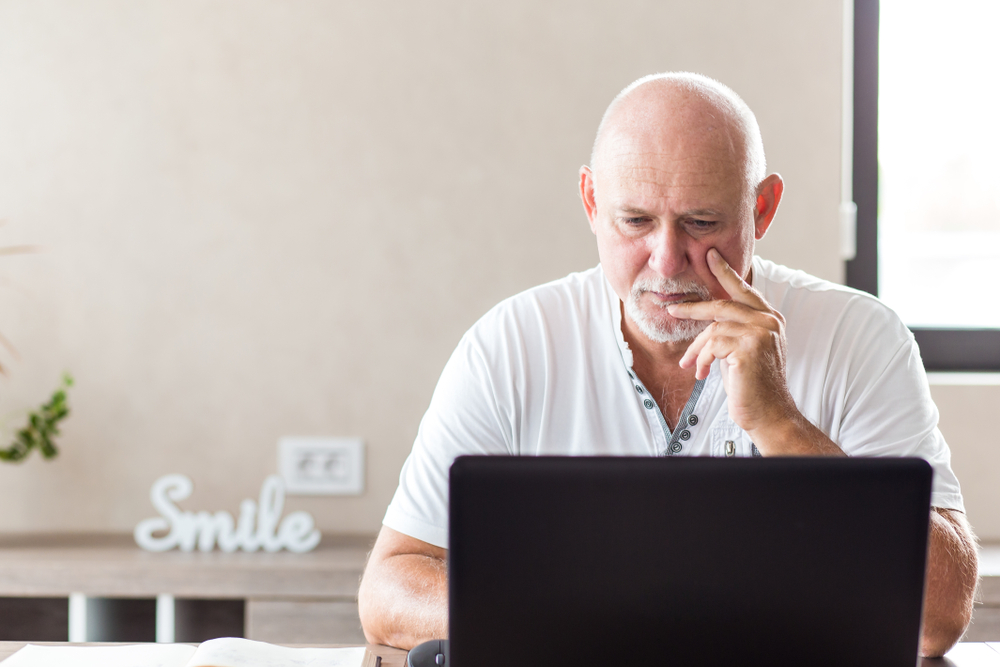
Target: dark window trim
(941,349)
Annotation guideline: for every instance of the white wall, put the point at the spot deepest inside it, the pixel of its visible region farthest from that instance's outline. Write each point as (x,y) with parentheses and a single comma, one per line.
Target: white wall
(264,218)
(968,422)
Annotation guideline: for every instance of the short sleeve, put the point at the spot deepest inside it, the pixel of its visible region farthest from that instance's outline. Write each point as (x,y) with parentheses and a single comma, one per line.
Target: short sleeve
(888,409)
(463,418)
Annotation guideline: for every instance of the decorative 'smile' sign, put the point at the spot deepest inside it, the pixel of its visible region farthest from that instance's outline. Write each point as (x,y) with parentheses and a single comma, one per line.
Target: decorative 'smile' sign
(258,526)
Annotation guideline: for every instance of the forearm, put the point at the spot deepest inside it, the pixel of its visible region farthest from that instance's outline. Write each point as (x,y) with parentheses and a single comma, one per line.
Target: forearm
(403,600)
(793,435)
(952,573)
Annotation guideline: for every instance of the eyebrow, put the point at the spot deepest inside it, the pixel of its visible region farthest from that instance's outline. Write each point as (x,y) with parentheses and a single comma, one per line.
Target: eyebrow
(703,211)
(696,212)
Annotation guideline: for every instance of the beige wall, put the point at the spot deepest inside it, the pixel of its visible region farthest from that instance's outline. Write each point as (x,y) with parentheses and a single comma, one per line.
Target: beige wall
(968,422)
(266,218)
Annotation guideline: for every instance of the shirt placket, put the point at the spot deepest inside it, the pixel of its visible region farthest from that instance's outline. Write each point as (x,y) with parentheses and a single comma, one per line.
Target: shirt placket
(682,432)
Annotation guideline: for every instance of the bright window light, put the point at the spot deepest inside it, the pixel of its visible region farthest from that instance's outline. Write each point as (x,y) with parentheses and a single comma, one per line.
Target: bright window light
(939,161)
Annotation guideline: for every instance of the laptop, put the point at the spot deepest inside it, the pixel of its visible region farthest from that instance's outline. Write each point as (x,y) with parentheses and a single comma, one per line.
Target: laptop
(686,561)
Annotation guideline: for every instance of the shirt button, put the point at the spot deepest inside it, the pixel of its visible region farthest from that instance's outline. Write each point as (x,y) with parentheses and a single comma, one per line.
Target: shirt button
(692,420)
(676,447)
(730,448)
(648,403)
(638,389)
(685,434)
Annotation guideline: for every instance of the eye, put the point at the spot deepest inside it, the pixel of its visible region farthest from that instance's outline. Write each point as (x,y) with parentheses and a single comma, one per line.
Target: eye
(702,224)
(634,222)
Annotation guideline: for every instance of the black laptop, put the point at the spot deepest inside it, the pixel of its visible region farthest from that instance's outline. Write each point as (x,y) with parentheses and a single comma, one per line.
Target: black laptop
(803,562)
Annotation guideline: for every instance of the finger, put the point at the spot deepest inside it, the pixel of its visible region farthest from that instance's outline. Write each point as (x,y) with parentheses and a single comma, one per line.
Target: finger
(722,311)
(719,347)
(735,286)
(705,359)
(733,333)
(694,349)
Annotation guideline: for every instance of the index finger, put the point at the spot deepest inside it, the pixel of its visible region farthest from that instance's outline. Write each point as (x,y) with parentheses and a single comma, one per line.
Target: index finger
(737,288)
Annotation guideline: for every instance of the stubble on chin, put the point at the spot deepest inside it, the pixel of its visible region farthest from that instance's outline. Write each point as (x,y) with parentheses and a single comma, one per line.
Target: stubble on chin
(660,327)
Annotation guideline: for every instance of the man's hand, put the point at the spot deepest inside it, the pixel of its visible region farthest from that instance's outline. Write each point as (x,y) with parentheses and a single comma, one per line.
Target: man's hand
(747,335)
(403,599)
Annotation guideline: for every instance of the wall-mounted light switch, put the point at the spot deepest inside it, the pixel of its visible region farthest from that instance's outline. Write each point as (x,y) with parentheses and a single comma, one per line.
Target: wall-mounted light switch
(317,466)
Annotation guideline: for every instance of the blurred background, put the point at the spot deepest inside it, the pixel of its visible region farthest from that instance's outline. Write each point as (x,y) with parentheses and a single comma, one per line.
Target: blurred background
(261,218)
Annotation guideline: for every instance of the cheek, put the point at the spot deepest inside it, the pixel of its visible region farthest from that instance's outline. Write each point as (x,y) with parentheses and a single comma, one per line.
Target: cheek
(737,258)
(699,264)
(741,253)
(737,251)
(622,261)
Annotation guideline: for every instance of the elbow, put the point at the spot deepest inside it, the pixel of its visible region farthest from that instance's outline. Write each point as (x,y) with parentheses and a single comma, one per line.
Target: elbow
(368,613)
(377,628)
(372,637)
(952,576)
(946,619)
(375,611)
(940,636)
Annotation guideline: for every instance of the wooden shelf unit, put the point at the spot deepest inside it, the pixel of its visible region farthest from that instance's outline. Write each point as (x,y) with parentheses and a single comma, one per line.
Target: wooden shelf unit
(289,598)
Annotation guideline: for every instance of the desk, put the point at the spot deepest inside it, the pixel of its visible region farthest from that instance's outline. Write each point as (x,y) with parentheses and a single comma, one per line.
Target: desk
(391,657)
(963,655)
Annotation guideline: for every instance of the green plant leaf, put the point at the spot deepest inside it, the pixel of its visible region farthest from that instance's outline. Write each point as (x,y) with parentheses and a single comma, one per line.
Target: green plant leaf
(41,427)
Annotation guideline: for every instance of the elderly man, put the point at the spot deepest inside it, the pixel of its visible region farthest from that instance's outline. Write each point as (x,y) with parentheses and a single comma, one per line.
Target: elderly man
(681,342)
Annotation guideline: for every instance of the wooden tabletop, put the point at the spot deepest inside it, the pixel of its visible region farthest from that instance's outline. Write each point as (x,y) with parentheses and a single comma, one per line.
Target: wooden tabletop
(970,654)
(391,657)
(111,565)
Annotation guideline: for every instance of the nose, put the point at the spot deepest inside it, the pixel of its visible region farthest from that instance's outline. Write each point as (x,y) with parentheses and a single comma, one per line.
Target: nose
(668,251)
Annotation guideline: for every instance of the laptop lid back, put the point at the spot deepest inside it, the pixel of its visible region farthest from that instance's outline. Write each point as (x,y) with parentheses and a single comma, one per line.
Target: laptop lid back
(688,561)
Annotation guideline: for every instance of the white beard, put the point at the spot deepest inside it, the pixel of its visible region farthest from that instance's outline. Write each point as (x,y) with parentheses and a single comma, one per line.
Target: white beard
(665,329)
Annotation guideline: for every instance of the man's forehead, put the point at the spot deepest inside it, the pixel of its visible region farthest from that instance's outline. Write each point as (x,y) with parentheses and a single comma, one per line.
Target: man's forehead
(658,168)
(657,175)
(667,138)
(659,126)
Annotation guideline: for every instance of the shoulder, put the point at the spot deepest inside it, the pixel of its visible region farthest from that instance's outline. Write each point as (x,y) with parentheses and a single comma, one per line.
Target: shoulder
(808,302)
(555,308)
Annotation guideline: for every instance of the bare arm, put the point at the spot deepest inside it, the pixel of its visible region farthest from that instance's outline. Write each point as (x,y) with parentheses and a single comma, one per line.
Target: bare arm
(403,599)
(952,573)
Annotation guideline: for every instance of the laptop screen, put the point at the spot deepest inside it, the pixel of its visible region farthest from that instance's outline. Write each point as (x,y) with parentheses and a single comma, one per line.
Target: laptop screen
(688,561)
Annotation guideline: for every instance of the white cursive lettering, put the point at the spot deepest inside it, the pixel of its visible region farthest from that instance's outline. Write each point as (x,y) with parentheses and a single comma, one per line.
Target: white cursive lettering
(185,530)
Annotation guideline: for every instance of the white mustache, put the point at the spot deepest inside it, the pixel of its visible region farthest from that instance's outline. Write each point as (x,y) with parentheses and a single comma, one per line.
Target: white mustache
(670,287)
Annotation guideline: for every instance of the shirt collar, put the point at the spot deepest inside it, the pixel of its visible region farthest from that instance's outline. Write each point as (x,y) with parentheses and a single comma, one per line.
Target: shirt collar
(615,305)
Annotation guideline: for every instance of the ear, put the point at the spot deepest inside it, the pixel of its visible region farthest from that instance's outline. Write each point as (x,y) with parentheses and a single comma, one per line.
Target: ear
(768,197)
(587,195)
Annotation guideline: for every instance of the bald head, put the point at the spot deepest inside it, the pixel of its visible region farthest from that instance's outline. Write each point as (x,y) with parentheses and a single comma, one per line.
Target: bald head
(665,112)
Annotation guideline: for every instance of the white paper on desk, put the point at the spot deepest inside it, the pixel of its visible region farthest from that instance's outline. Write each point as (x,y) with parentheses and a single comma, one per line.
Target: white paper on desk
(229,652)
(966,654)
(133,655)
(224,652)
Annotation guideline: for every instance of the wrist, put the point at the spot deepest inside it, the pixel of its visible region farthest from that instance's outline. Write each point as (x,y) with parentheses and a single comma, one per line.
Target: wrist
(792,435)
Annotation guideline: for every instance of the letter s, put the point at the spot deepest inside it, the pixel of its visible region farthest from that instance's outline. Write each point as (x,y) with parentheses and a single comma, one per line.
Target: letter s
(165,490)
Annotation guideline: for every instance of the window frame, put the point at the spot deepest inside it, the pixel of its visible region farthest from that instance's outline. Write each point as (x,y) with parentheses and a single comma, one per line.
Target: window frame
(941,349)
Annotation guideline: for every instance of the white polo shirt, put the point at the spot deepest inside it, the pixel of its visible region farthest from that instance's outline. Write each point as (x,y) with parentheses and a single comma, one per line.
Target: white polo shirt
(547,372)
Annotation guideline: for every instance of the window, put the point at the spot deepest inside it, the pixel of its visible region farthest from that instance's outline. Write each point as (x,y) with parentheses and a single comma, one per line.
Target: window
(927,173)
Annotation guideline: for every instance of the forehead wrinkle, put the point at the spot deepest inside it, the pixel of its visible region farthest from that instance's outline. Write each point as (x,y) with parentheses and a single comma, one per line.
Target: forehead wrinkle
(632,209)
(690,173)
(678,159)
(671,138)
(656,158)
